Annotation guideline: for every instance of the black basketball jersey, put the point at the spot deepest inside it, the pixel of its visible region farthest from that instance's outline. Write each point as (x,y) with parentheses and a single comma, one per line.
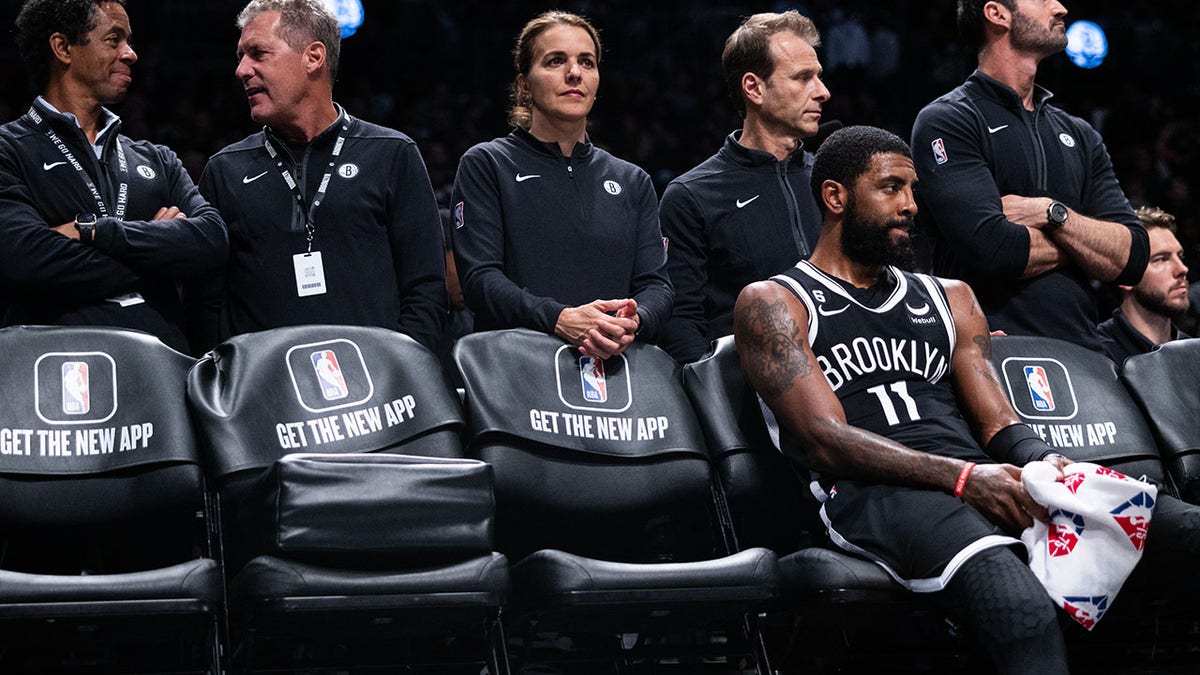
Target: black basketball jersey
(888,364)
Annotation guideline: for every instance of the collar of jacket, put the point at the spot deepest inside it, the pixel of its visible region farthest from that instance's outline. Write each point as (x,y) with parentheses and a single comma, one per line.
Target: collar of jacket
(551,149)
(326,137)
(1004,94)
(750,158)
(69,129)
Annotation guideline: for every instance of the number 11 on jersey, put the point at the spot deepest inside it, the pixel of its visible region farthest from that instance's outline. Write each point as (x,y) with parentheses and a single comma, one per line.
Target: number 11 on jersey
(900,389)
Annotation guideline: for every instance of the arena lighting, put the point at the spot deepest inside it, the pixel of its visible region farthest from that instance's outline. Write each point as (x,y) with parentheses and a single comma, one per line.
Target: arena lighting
(1086,44)
(349,14)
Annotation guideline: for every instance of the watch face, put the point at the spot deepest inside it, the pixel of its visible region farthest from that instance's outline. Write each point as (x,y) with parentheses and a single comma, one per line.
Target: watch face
(85,219)
(1058,213)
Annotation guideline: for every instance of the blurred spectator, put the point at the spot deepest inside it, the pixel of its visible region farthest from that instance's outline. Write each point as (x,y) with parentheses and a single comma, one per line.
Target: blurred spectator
(1148,309)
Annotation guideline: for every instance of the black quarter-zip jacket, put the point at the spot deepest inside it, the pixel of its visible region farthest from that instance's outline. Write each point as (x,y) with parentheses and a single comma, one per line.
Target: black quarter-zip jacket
(738,217)
(378,232)
(978,143)
(47,278)
(537,232)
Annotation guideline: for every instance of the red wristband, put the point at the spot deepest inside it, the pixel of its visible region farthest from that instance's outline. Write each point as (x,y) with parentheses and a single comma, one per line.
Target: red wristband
(962,478)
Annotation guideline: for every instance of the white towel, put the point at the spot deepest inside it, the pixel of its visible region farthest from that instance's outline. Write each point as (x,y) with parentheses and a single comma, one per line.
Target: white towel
(1097,530)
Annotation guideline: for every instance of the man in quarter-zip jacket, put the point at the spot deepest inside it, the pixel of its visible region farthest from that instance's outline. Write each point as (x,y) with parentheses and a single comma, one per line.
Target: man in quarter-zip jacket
(747,212)
(1020,197)
(331,219)
(97,229)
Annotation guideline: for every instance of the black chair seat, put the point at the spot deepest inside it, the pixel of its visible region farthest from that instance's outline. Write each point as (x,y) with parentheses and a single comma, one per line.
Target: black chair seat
(559,575)
(193,580)
(570,591)
(817,570)
(272,577)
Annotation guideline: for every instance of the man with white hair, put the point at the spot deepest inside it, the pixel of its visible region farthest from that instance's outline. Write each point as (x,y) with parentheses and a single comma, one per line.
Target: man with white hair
(331,219)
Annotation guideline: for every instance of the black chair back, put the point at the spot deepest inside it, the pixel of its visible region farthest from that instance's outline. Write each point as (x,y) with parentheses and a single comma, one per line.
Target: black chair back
(585,451)
(1073,398)
(1166,385)
(324,389)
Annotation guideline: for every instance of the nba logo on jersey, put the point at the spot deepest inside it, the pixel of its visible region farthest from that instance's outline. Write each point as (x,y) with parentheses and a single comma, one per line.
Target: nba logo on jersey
(1039,388)
(595,386)
(329,374)
(939,151)
(76,397)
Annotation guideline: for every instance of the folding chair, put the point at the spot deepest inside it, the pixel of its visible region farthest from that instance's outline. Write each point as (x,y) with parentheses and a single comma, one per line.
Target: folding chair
(361,536)
(604,498)
(107,562)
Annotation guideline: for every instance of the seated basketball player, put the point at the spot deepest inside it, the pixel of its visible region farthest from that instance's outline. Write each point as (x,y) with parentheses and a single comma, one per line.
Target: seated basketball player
(919,451)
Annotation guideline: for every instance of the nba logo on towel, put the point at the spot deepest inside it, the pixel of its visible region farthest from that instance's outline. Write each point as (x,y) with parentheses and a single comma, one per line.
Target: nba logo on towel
(1072,481)
(1039,388)
(1063,536)
(595,386)
(1087,610)
(1134,517)
(329,374)
(76,397)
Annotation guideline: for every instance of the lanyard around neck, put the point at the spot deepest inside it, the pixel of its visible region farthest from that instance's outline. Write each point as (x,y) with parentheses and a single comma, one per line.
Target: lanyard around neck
(309,213)
(122,166)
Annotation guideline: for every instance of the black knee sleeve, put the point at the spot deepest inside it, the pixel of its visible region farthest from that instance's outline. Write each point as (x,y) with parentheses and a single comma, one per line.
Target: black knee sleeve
(1002,603)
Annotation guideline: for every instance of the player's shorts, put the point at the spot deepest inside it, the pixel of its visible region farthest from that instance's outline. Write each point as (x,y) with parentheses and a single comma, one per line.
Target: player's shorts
(920,536)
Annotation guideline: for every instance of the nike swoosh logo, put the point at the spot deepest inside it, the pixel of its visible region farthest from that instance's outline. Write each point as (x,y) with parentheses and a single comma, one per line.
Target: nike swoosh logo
(48,166)
(250,179)
(831,312)
(918,311)
(522,179)
(992,130)
(741,204)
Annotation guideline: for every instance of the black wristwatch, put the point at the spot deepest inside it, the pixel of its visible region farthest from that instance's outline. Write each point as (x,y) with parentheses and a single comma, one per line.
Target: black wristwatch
(1056,216)
(86,224)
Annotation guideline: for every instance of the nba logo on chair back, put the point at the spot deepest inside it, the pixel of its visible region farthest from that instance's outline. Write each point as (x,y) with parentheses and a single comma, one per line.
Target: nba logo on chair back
(1040,389)
(591,374)
(329,375)
(75,387)
(589,383)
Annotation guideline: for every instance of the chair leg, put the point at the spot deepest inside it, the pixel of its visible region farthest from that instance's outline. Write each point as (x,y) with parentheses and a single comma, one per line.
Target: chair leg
(753,624)
(216,643)
(497,646)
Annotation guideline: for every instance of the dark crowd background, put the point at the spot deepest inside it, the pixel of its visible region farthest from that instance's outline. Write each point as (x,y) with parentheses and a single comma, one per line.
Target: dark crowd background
(439,70)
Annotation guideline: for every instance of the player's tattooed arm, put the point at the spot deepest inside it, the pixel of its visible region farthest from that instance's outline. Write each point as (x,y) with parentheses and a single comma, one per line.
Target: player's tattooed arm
(980,395)
(983,342)
(771,344)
